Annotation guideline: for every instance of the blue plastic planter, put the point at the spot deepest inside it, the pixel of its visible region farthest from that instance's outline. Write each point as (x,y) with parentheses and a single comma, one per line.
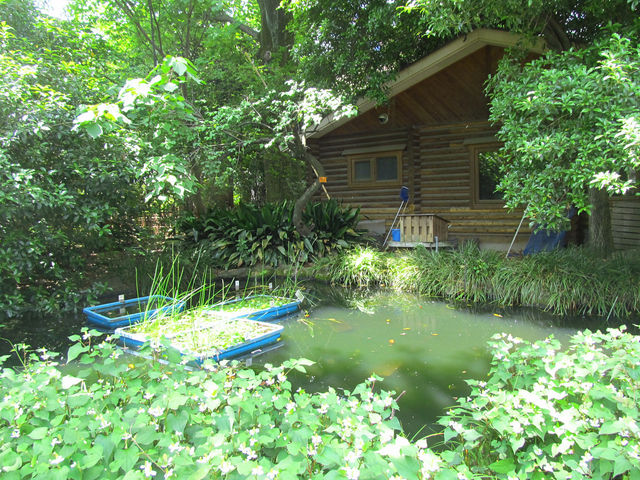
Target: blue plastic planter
(265,314)
(99,315)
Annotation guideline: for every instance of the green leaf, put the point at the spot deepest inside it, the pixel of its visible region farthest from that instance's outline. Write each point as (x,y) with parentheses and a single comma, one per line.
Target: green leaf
(503,466)
(68,381)
(10,461)
(127,457)
(93,129)
(39,433)
(74,351)
(447,474)
(177,422)
(407,467)
(146,435)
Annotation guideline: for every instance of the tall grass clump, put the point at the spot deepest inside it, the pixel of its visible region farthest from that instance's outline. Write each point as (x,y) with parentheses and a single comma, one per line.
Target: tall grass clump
(360,266)
(465,274)
(573,280)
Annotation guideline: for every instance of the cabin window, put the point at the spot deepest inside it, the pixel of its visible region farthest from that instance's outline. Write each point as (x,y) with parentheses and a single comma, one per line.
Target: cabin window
(375,169)
(486,174)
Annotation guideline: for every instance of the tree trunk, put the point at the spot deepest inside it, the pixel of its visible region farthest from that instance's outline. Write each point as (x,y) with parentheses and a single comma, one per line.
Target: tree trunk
(302,201)
(273,32)
(600,236)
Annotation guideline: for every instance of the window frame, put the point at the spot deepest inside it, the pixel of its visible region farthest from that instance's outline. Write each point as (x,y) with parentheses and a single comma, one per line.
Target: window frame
(372,157)
(474,151)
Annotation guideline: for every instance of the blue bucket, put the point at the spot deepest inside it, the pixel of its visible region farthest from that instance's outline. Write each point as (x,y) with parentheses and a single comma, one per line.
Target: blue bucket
(395,234)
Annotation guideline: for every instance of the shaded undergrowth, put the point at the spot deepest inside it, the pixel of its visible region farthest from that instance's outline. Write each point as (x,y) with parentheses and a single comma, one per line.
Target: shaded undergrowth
(573,280)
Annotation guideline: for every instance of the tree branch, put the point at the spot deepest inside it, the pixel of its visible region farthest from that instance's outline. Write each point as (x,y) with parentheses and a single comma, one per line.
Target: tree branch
(224,18)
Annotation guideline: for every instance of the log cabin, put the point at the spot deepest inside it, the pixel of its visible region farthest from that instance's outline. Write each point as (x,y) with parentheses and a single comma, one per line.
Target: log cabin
(429,137)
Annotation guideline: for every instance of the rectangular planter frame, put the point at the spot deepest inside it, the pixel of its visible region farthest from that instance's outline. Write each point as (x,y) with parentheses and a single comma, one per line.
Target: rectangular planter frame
(94,316)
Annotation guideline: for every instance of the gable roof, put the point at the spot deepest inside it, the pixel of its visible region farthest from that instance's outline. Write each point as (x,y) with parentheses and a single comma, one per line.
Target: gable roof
(432,64)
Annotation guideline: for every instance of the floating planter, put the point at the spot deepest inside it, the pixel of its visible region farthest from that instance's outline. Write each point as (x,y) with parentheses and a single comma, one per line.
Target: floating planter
(121,314)
(219,339)
(257,307)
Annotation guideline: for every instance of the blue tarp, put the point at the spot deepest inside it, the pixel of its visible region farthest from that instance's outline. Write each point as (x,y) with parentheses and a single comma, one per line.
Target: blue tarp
(544,241)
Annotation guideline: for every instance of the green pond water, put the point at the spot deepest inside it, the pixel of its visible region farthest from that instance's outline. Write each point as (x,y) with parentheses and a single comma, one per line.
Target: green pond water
(423,348)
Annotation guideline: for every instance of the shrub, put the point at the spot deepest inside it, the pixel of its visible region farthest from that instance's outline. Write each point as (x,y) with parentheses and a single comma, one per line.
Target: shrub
(542,413)
(546,413)
(250,235)
(102,417)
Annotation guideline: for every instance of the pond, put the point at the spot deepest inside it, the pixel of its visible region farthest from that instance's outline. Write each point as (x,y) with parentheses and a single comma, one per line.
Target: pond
(424,349)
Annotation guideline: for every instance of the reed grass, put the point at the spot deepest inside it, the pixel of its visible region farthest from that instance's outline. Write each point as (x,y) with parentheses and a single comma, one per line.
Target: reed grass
(573,280)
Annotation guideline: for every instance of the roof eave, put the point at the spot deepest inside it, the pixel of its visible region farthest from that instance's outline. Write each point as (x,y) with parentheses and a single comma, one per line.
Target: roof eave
(432,64)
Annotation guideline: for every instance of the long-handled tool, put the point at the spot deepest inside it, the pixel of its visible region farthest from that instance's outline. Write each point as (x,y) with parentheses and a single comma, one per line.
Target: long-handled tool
(404,197)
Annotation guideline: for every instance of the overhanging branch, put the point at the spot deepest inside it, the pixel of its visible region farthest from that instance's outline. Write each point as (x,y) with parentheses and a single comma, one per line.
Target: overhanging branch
(224,18)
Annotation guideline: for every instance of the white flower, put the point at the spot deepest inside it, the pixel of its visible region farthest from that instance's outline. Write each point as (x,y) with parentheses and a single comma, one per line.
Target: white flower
(315,439)
(455,426)
(148,395)
(324,408)
(430,462)
(156,411)
(225,467)
(56,459)
(352,473)
(55,441)
(352,456)
(516,427)
(386,436)
(175,447)
(272,474)
(15,433)
(148,470)
(257,471)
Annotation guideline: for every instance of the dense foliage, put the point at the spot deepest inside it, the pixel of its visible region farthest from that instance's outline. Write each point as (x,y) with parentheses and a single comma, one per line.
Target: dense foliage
(577,130)
(563,281)
(547,412)
(102,417)
(356,47)
(250,235)
(61,195)
(541,412)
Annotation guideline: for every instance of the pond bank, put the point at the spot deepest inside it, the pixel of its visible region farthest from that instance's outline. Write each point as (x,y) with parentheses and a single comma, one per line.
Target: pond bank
(568,281)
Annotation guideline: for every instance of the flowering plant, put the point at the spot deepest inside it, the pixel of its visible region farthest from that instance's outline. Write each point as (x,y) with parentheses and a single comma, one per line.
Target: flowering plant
(101,415)
(548,413)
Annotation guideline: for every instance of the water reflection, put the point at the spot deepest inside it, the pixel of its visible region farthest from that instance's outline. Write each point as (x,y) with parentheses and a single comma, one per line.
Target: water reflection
(421,347)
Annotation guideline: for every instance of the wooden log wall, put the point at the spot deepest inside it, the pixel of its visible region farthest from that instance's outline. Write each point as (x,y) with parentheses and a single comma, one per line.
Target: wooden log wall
(444,183)
(437,169)
(625,222)
(378,203)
